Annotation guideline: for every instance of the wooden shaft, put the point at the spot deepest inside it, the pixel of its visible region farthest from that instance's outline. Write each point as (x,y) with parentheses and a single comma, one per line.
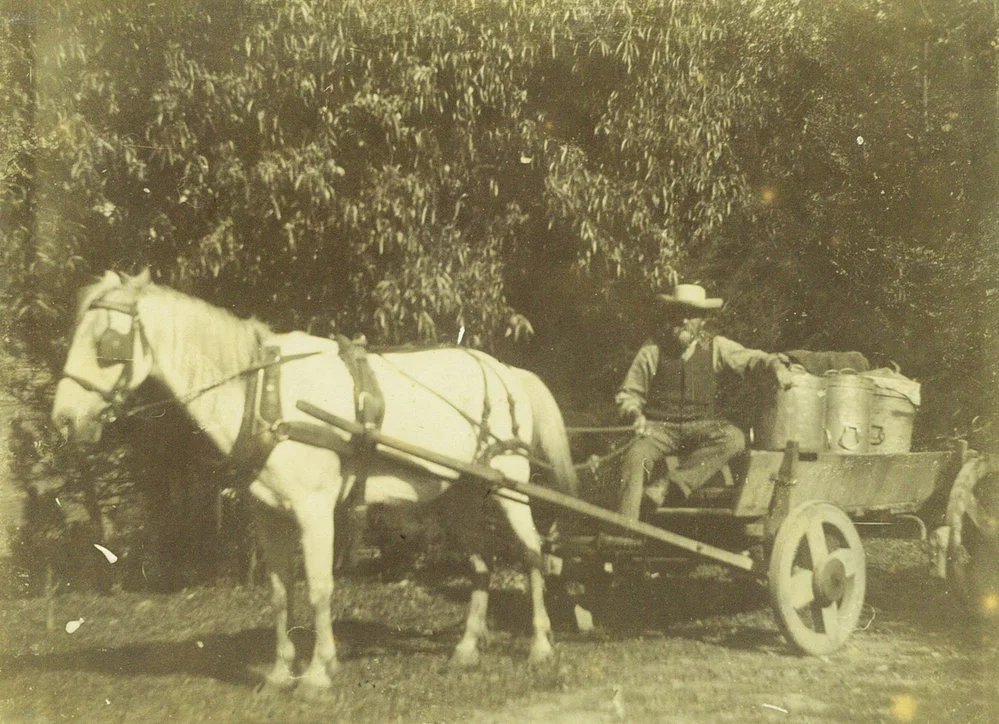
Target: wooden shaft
(600,430)
(692,512)
(561,500)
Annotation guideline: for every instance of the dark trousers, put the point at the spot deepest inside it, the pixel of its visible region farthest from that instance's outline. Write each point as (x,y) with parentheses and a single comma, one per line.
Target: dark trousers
(704,447)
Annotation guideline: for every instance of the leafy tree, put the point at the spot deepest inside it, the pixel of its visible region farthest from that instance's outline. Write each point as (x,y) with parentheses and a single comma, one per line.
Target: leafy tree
(527,172)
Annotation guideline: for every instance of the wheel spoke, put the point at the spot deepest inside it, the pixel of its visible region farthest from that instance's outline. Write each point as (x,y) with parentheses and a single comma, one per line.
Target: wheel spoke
(800,591)
(830,620)
(817,545)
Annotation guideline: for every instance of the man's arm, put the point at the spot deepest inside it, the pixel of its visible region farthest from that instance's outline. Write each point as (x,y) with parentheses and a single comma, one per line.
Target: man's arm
(732,356)
(634,390)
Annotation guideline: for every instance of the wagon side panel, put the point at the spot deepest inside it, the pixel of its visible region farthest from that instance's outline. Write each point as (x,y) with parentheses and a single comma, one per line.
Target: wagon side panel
(898,483)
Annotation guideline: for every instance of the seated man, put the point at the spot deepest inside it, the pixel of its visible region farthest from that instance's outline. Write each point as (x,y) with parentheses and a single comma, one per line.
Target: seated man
(669,394)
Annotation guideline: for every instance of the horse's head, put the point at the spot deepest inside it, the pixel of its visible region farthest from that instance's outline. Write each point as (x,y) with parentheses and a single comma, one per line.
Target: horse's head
(108,358)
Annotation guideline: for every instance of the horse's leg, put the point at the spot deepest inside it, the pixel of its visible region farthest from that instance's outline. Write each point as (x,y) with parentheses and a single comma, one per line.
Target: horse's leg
(311,479)
(518,513)
(315,517)
(276,534)
(466,653)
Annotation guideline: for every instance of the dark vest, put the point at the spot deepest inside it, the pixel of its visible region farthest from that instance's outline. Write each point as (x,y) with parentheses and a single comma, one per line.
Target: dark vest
(684,389)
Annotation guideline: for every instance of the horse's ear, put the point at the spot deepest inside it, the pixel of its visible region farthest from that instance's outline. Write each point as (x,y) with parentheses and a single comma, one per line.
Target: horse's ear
(83,295)
(138,281)
(111,277)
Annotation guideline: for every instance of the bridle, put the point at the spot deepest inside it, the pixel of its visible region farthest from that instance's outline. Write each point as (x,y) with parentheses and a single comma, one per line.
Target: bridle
(114,348)
(117,348)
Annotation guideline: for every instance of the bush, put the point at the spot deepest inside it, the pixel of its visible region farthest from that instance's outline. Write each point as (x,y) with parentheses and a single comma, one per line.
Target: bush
(523,174)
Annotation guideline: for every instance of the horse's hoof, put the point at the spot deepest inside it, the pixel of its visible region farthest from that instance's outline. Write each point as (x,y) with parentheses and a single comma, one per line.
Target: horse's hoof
(541,655)
(314,688)
(277,681)
(267,690)
(314,692)
(464,659)
(316,680)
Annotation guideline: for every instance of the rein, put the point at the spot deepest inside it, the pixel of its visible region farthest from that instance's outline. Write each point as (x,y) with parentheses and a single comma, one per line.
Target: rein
(614,429)
(195,394)
(468,418)
(485,433)
(115,347)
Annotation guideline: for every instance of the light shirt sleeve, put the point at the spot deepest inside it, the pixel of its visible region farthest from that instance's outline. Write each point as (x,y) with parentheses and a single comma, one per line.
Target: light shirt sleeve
(634,390)
(729,355)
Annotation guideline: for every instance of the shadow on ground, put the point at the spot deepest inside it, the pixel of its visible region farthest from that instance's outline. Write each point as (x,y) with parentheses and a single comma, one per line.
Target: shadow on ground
(233,658)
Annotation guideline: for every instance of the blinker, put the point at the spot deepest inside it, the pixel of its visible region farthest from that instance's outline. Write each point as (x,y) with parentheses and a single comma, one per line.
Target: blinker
(114,347)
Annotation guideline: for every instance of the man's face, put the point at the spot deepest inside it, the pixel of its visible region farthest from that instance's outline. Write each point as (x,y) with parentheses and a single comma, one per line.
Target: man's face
(682,327)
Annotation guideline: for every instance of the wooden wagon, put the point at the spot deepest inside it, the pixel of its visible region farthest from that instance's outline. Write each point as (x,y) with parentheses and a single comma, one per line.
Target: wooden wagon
(797,517)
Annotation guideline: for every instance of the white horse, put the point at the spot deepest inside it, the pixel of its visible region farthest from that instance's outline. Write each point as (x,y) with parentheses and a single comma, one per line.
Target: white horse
(447,400)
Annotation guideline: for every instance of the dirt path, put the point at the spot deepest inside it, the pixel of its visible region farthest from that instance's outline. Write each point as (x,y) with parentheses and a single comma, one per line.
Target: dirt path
(880,677)
(698,648)
(918,658)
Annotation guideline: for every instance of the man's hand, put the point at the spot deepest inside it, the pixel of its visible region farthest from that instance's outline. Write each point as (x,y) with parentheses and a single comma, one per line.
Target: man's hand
(639,424)
(782,372)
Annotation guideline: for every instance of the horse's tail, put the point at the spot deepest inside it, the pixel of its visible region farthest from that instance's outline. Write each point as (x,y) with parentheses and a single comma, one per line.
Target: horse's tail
(550,436)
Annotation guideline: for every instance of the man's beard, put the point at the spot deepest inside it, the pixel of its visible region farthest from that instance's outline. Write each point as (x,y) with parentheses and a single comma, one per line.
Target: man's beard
(684,334)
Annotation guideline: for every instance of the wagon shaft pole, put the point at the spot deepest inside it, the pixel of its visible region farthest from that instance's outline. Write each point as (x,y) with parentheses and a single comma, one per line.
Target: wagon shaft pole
(554,497)
(738,560)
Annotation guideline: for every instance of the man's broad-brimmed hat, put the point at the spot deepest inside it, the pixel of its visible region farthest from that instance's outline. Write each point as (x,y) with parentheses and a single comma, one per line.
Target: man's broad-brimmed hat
(688,296)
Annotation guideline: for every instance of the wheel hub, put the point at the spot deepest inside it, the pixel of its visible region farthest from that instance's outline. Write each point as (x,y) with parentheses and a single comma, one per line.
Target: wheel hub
(829,583)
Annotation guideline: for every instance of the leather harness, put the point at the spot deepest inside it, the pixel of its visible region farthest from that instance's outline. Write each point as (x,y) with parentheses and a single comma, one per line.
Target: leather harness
(263,425)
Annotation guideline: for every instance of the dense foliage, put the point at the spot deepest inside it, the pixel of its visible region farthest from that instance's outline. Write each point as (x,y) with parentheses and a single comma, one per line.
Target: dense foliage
(525,171)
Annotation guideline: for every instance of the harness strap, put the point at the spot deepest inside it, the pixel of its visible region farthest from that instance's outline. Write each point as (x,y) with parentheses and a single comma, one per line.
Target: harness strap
(369,409)
(90,386)
(485,433)
(259,430)
(369,403)
(468,418)
(501,447)
(514,424)
(487,410)
(488,450)
(263,425)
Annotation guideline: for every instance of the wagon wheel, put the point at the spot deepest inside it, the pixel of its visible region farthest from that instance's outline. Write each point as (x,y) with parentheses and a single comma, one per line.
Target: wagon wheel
(817,577)
(973,546)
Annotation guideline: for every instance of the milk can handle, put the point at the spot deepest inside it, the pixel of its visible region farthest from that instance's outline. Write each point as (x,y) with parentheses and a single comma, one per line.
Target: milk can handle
(844,371)
(877,437)
(856,435)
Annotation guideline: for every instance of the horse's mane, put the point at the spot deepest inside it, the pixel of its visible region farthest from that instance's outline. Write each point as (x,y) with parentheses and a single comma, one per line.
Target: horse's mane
(224,341)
